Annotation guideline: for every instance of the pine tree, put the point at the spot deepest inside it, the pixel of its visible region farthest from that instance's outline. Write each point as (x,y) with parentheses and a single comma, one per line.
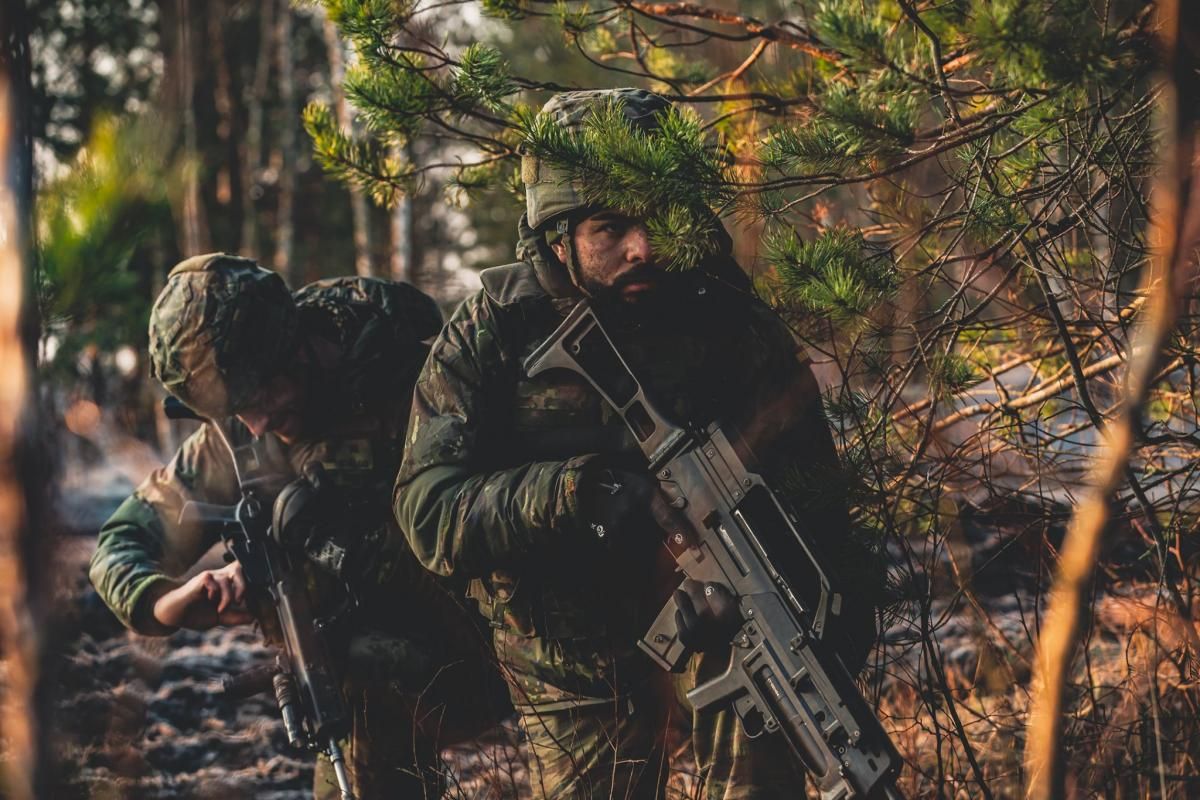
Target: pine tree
(948,201)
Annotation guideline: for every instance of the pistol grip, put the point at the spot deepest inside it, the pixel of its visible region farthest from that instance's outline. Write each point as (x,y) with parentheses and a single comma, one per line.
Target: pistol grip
(662,643)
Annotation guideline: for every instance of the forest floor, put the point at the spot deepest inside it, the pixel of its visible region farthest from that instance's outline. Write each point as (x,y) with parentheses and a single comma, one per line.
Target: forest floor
(142,717)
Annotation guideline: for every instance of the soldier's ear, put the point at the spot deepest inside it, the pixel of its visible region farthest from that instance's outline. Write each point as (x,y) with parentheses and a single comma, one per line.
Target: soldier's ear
(560,250)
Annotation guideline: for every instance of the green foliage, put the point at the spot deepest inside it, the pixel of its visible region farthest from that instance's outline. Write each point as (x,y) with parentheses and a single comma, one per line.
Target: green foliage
(573,20)
(91,60)
(852,126)
(482,78)
(677,68)
(93,224)
(672,176)
(1063,42)
(867,40)
(950,373)
(359,162)
(364,20)
(391,94)
(838,275)
(504,9)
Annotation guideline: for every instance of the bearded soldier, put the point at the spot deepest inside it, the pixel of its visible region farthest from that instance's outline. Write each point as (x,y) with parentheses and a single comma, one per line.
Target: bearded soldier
(324,378)
(534,489)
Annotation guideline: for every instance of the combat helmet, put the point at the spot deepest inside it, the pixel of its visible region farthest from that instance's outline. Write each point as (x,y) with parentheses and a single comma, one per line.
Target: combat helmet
(219,330)
(550,195)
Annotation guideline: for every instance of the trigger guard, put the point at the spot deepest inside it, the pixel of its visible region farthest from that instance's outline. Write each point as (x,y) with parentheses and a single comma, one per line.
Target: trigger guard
(754,724)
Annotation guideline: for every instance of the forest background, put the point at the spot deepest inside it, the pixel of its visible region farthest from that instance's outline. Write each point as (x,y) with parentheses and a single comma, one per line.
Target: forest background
(949,201)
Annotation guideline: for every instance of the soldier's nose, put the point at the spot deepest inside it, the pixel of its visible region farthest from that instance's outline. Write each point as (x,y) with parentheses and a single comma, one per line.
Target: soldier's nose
(637,244)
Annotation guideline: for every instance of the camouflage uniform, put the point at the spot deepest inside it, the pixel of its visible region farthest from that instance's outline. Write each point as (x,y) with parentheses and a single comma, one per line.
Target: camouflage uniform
(488,489)
(396,665)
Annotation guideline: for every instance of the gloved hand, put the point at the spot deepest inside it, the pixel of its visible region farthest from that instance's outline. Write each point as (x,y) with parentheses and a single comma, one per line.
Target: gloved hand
(707,615)
(302,508)
(615,502)
(310,516)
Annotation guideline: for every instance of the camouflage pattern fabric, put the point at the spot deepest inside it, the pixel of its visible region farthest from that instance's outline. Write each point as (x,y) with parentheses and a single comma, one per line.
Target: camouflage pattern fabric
(402,669)
(219,329)
(487,490)
(549,192)
(623,748)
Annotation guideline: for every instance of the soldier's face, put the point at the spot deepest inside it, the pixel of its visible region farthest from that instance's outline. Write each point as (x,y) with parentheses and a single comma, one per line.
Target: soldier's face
(615,261)
(277,408)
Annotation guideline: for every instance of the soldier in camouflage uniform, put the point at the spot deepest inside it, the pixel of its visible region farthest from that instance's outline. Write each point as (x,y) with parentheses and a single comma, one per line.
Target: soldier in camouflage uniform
(534,488)
(324,376)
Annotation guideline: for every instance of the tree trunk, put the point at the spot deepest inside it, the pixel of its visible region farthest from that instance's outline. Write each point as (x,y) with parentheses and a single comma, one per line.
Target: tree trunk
(286,138)
(401,225)
(252,145)
(195,233)
(217,11)
(363,263)
(24,475)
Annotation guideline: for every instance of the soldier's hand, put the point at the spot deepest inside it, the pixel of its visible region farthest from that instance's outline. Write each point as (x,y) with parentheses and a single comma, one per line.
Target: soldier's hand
(706,616)
(213,597)
(310,516)
(616,503)
(303,509)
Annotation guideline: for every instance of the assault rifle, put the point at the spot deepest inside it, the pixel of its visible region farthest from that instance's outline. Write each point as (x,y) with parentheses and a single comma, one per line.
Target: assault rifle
(306,691)
(784,674)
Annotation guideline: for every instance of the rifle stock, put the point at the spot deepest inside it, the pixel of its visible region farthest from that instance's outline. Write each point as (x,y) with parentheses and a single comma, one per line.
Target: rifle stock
(784,675)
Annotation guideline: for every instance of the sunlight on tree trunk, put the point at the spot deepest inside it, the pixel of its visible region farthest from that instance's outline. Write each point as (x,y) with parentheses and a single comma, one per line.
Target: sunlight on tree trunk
(20,640)
(1176,217)
(195,237)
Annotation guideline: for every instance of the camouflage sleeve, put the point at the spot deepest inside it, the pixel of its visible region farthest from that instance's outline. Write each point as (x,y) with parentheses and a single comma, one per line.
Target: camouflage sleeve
(143,543)
(460,517)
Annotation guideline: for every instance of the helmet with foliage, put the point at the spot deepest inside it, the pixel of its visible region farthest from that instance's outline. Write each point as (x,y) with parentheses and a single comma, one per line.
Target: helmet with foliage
(219,330)
(549,192)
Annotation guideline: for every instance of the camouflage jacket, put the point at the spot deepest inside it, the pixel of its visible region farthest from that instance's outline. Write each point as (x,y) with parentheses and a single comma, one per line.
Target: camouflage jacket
(488,485)
(358,442)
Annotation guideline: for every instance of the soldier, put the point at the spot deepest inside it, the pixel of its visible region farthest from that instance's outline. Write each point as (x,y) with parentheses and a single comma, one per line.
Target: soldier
(535,490)
(324,377)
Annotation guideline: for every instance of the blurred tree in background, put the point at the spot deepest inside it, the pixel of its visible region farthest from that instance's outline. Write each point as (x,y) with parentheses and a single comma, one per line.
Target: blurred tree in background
(948,201)
(164,129)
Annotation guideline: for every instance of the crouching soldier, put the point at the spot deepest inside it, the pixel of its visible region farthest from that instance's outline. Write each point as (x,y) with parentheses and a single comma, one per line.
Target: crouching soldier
(323,379)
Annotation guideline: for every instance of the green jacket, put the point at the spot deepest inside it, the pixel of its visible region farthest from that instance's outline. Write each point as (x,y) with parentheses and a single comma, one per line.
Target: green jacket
(487,487)
(417,670)
(372,356)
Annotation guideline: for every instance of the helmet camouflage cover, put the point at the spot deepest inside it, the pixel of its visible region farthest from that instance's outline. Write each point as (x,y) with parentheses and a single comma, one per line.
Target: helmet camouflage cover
(549,192)
(219,330)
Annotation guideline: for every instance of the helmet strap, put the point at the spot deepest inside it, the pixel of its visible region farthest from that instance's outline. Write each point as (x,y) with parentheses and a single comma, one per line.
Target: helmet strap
(565,228)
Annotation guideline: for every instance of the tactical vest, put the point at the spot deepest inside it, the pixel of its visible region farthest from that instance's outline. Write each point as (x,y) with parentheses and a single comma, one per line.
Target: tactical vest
(567,622)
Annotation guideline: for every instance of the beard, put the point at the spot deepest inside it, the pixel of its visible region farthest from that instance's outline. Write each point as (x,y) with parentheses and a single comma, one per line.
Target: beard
(659,285)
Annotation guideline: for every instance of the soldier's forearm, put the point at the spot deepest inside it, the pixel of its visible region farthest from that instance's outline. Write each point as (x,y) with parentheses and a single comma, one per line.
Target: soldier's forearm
(143,618)
(468,524)
(127,564)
